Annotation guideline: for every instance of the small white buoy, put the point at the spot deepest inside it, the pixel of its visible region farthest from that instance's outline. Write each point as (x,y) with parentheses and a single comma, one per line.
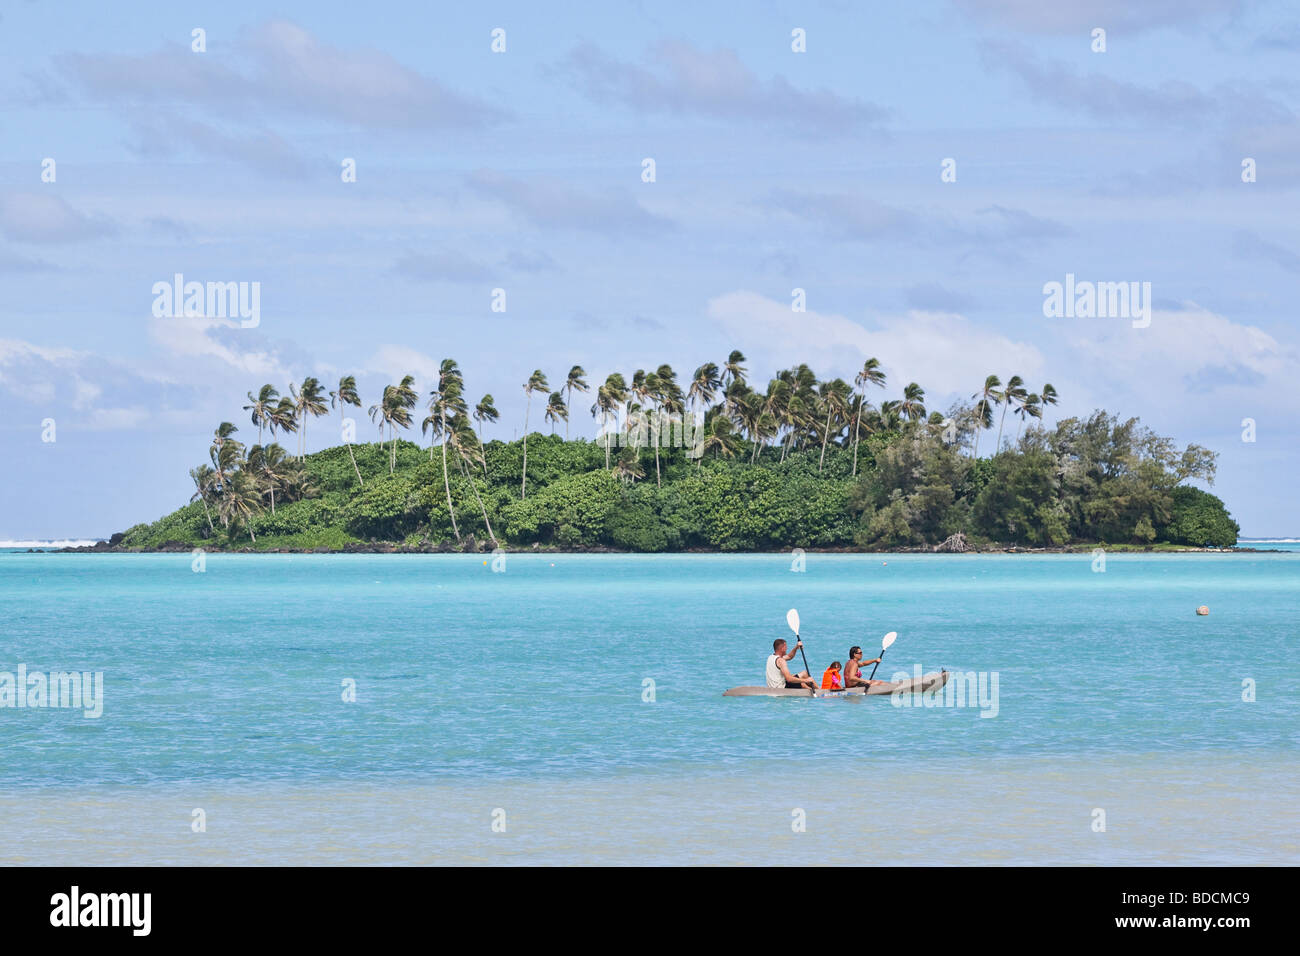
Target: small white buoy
(1203,611)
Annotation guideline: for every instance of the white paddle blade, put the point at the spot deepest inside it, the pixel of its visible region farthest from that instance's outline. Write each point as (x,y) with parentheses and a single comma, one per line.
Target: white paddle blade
(792,618)
(888,640)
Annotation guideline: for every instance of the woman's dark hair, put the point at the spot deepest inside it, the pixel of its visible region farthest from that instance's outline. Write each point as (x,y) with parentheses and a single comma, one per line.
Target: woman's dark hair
(853,650)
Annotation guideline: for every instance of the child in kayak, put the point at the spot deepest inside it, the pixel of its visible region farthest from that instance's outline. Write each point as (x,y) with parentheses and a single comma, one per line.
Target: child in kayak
(832,680)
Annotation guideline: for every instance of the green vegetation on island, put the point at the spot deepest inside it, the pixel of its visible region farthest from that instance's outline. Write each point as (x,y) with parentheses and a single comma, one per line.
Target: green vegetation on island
(800,464)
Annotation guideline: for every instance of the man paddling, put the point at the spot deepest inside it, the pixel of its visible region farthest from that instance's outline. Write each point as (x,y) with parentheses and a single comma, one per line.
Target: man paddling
(778,670)
(851,676)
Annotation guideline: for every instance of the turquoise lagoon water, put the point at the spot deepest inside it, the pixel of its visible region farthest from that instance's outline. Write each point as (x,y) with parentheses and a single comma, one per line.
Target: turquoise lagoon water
(524,691)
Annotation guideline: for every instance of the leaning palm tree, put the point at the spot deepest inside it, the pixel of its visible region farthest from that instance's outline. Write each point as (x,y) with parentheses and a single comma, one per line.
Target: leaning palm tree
(469,449)
(536,383)
(484,411)
(870,375)
(261,407)
(203,477)
(449,402)
(405,396)
(732,369)
(556,411)
(576,381)
(1014,392)
(704,385)
(988,396)
(346,394)
(912,407)
(284,417)
(224,453)
(307,400)
(609,398)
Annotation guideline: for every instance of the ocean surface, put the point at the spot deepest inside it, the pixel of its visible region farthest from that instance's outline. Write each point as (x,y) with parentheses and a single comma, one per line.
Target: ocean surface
(568,709)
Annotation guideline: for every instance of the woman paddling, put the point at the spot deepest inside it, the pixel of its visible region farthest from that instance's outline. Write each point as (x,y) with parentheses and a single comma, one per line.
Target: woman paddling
(851,676)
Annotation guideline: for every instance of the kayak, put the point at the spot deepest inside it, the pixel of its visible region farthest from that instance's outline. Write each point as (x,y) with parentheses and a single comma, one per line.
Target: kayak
(912,685)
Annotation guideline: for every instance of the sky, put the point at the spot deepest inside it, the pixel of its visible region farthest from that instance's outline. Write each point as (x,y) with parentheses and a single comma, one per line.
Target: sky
(523,170)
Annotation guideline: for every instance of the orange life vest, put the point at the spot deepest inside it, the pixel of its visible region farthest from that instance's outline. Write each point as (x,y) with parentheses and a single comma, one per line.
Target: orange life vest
(831,680)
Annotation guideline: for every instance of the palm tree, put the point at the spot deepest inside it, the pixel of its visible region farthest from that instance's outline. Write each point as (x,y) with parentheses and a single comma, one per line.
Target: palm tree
(394,410)
(720,437)
(346,394)
(912,407)
(224,453)
(732,370)
(536,383)
(1014,392)
(1028,407)
(576,381)
(556,411)
(296,482)
(308,400)
(988,396)
(835,399)
(668,396)
(890,419)
(704,385)
(484,411)
(609,397)
(628,467)
(240,500)
(469,448)
(284,417)
(448,401)
(870,375)
(755,420)
(268,465)
(203,477)
(262,407)
(645,386)
(1047,396)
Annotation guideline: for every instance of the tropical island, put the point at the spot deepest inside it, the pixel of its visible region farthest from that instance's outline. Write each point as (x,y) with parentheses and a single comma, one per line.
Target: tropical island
(718,465)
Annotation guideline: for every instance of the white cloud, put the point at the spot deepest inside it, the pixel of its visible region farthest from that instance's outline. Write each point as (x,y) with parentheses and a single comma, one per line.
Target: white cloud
(216,339)
(939,350)
(1190,364)
(395,361)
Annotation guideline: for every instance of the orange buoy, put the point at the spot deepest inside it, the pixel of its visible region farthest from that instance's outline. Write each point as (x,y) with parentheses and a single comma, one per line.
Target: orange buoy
(1203,611)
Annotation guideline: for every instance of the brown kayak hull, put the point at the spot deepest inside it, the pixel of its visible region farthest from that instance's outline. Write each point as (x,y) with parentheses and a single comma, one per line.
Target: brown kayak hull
(912,685)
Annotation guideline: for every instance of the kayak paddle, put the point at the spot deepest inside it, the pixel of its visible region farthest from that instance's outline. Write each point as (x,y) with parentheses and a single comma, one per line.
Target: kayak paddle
(884,646)
(792,618)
